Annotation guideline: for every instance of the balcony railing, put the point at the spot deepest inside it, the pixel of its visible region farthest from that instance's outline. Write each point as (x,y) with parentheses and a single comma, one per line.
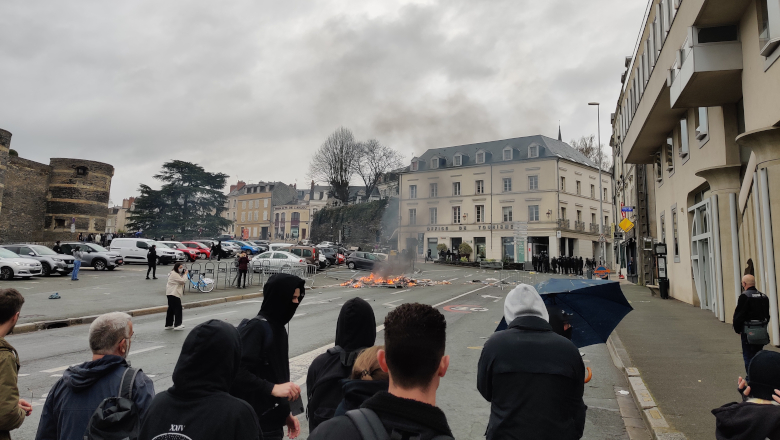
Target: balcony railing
(595,228)
(563,223)
(579,226)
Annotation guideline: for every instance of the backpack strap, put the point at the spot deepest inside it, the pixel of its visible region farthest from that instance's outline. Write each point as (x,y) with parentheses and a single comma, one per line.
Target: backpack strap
(368,424)
(126,386)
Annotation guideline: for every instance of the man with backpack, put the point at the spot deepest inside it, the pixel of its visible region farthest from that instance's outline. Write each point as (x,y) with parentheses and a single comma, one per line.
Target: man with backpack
(263,378)
(751,318)
(71,405)
(198,405)
(355,331)
(415,336)
(13,410)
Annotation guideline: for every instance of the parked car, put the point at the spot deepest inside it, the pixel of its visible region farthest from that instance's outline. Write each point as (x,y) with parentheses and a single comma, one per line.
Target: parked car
(94,255)
(134,250)
(278,246)
(192,254)
(12,265)
(205,251)
(362,260)
(51,262)
(261,244)
(331,255)
(224,237)
(276,261)
(246,246)
(308,253)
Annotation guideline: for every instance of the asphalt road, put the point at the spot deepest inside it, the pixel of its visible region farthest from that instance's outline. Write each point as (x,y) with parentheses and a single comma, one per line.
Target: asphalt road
(472,311)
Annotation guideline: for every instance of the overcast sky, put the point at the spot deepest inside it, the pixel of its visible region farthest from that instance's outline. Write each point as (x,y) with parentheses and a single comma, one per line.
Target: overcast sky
(252,88)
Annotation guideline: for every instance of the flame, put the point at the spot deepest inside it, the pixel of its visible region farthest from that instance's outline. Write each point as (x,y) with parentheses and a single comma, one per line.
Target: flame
(374,280)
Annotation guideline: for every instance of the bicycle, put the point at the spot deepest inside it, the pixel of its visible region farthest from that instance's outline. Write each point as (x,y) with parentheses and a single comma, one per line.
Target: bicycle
(204,285)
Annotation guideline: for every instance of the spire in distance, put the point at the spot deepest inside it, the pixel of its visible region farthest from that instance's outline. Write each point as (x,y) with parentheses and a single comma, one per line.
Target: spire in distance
(560,138)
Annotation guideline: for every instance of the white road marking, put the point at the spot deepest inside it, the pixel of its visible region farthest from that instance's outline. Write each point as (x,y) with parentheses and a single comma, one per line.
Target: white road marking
(23,375)
(56,375)
(452,279)
(144,350)
(324,301)
(151,375)
(298,314)
(212,314)
(249,301)
(55,370)
(390,303)
(459,296)
(400,291)
(498,298)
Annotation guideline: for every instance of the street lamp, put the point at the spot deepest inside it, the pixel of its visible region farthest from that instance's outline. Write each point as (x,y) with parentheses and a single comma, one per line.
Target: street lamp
(601,191)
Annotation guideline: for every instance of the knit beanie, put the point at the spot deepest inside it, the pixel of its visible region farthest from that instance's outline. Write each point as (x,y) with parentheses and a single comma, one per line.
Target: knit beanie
(524,300)
(764,374)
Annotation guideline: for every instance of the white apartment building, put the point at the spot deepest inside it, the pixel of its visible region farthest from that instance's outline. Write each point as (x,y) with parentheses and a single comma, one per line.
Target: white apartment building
(476,193)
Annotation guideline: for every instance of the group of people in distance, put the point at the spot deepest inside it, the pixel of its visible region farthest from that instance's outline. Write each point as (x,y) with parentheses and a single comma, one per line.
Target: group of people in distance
(564,265)
(234,382)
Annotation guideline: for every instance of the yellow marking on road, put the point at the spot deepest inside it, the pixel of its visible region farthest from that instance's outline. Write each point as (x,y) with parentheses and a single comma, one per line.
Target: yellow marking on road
(475,348)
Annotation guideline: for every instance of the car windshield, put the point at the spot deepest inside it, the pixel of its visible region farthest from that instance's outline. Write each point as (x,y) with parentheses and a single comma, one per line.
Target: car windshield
(43,250)
(97,248)
(5,253)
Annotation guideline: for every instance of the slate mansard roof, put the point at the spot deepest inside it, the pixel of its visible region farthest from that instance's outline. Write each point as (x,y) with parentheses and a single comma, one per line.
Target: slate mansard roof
(494,153)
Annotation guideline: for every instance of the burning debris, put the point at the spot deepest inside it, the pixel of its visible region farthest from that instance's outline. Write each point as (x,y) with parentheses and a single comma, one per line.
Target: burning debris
(400,281)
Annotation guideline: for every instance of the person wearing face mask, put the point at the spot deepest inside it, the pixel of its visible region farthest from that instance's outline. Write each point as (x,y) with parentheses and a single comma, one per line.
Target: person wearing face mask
(77,394)
(174,291)
(263,378)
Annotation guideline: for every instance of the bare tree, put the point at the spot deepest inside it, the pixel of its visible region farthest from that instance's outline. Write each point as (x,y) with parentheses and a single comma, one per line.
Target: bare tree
(375,160)
(336,162)
(587,146)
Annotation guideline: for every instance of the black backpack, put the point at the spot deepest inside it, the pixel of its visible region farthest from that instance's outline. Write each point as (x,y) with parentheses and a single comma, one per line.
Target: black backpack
(117,418)
(371,427)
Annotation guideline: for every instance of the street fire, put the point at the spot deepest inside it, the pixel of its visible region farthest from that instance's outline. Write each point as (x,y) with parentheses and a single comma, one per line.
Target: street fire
(375,280)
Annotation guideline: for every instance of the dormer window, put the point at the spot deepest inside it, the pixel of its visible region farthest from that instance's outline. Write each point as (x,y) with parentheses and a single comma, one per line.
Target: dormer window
(533,151)
(508,153)
(480,157)
(458,160)
(434,163)
(415,165)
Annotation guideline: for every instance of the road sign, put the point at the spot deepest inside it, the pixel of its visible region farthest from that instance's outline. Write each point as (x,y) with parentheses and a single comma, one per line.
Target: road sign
(558,234)
(627,209)
(601,272)
(626,225)
(618,235)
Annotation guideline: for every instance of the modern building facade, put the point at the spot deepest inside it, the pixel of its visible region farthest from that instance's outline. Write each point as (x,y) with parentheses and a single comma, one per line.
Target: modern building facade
(698,117)
(478,193)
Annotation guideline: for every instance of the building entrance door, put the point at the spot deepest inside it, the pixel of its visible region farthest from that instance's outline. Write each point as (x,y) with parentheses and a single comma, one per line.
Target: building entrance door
(432,243)
(702,260)
(480,247)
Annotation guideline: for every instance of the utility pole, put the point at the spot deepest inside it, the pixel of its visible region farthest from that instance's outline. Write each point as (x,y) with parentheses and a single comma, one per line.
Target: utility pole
(601,191)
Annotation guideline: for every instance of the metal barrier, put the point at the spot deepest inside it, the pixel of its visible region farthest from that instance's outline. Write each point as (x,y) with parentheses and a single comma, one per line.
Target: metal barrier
(194,273)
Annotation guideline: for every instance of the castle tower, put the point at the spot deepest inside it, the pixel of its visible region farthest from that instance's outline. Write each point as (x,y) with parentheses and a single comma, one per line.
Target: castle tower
(78,189)
(5,147)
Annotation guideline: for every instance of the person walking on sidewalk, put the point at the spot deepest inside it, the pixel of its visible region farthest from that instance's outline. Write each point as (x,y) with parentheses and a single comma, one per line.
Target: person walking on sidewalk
(174,291)
(752,305)
(151,261)
(243,268)
(533,378)
(198,404)
(263,379)
(77,254)
(13,410)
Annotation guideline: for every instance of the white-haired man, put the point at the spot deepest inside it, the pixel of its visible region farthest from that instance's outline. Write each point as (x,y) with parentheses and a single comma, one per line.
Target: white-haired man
(533,377)
(76,396)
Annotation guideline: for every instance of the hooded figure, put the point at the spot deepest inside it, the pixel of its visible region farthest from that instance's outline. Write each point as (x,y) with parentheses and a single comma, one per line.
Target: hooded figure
(264,361)
(198,404)
(533,377)
(355,331)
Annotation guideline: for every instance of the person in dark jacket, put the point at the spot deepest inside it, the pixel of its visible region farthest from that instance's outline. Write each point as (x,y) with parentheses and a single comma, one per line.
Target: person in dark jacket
(366,380)
(243,268)
(198,404)
(13,410)
(757,417)
(77,394)
(355,331)
(534,378)
(57,248)
(151,261)
(752,305)
(263,378)
(415,336)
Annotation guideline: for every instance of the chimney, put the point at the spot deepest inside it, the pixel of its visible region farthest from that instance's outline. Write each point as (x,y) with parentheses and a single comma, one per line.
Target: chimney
(311,191)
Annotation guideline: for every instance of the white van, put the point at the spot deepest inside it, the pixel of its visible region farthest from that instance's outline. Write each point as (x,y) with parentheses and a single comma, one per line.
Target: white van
(134,250)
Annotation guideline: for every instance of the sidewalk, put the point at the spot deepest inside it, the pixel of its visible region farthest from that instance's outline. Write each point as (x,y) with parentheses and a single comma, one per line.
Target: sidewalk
(688,359)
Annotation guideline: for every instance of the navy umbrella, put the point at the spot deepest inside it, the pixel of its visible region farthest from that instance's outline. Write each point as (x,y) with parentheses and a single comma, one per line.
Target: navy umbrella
(596,306)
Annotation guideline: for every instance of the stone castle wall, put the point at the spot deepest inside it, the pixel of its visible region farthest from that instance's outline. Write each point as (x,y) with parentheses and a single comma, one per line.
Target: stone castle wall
(24,201)
(5,146)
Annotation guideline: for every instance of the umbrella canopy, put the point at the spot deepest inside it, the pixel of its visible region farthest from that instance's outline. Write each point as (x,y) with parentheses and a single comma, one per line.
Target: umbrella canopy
(596,306)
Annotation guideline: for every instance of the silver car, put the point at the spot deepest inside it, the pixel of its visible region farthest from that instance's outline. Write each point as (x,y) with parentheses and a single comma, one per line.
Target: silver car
(51,262)
(12,265)
(93,255)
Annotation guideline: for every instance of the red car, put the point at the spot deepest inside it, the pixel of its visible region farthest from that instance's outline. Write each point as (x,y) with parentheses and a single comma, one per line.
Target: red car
(205,251)
(191,253)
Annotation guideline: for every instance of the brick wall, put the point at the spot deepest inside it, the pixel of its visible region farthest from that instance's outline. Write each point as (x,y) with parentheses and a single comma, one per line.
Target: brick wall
(24,200)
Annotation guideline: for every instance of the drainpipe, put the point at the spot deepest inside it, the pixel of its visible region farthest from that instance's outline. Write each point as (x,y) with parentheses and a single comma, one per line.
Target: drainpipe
(719,310)
(759,241)
(770,258)
(735,245)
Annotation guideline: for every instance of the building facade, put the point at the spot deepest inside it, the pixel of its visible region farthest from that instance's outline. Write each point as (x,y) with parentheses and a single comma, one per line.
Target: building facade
(292,222)
(117,216)
(477,194)
(250,208)
(698,113)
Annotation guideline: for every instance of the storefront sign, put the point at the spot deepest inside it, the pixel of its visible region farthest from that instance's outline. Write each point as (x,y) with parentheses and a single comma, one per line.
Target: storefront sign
(499,226)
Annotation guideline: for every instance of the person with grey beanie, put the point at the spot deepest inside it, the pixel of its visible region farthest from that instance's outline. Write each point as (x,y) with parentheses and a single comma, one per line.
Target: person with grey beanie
(533,377)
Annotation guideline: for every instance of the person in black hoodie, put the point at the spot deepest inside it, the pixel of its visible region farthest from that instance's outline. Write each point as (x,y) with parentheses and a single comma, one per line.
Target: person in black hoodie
(151,262)
(263,378)
(415,337)
(198,404)
(758,416)
(355,331)
(752,305)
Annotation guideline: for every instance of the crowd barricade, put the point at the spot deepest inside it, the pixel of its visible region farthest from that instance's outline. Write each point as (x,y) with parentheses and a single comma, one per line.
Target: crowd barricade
(221,273)
(210,271)
(194,271)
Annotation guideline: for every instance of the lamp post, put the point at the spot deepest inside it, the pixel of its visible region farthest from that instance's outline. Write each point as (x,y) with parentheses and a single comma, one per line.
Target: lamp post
(601,191)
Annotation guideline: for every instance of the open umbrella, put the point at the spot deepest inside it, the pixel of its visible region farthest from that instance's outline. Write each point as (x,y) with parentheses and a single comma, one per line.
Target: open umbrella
(597,307)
